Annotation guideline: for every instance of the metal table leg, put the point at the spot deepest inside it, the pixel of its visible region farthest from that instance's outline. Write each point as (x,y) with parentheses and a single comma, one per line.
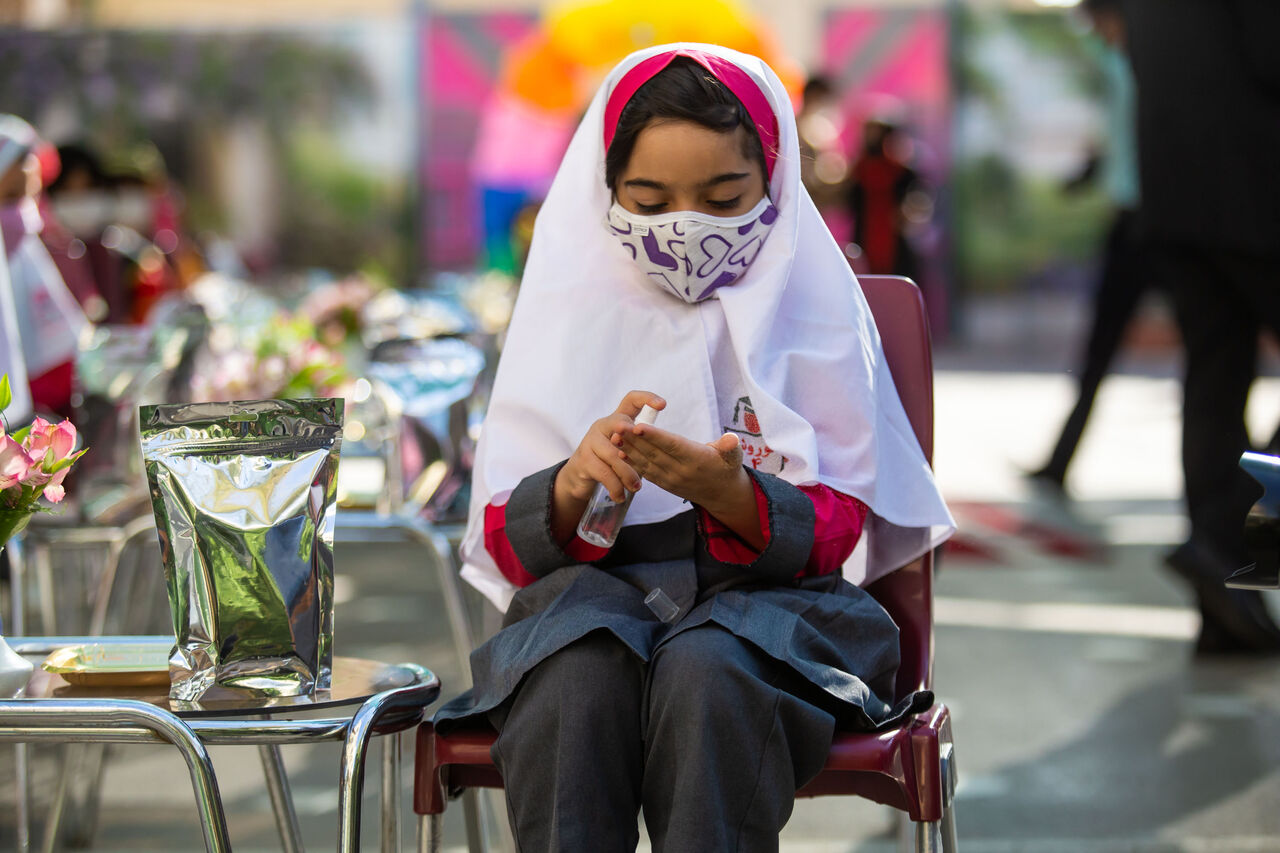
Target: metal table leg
(391,793)
(356,747)
(22,719)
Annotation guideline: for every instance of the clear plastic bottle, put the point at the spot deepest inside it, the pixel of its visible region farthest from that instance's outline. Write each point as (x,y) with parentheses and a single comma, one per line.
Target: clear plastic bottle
(603,518)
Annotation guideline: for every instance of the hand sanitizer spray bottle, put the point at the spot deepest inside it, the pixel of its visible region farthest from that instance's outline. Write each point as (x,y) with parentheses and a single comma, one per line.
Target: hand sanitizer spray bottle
(603,519)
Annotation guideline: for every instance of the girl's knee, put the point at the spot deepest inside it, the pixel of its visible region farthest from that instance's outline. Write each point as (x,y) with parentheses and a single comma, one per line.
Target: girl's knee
(701,667)
(595,675)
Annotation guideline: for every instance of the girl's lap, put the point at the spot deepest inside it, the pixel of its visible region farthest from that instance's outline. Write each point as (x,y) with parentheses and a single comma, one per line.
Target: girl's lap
(826,640)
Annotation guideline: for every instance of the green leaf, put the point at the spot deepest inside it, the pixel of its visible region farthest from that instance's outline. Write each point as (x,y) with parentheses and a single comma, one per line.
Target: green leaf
(66,462)
(6,393)
(21,435)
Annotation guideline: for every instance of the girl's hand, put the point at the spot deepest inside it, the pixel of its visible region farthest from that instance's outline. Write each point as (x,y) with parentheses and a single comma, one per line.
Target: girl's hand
(709,475)
(597,460)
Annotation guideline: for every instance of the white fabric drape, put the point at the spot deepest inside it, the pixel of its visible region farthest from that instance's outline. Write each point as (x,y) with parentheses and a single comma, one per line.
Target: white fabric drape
(588,327)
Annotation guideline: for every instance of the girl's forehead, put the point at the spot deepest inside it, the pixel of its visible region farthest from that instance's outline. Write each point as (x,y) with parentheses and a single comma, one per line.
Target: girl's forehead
(685,152)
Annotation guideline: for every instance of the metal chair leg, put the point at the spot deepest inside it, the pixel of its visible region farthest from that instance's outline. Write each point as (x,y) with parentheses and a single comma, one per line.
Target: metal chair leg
(949,779)
(16,628)
(44,587)
(69,757)
(22,802)
(281,798)
(929,837)
(949,843)
(430,833)
(475,823)
(81,831)
(17,624)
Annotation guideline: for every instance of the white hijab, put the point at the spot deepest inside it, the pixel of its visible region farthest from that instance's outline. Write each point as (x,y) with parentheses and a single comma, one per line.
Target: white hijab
(588,327)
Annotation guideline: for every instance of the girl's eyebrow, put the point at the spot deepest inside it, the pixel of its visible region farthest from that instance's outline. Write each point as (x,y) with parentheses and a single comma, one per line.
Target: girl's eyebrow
(718,179)
(726,177)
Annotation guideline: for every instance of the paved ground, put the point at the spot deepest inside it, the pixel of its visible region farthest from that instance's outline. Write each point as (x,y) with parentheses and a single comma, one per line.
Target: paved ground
(1082,721)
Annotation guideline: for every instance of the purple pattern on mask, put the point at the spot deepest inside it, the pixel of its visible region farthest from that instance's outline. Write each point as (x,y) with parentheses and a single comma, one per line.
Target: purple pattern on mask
(718,256)
(677,248)
(725,278)
(744,255)
(716,248)
(655,253)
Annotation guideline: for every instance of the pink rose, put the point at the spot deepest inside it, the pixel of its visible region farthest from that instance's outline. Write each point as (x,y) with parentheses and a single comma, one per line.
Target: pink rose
(37,435)
(15,462)
(62,441)
(55,491)
(36,475)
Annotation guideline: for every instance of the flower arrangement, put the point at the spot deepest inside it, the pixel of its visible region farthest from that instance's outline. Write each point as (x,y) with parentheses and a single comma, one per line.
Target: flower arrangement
(33,463)
(280,360)
(337,309)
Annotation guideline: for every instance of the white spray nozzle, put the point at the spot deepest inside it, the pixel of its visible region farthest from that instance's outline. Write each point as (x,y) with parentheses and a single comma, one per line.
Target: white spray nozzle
(647,415)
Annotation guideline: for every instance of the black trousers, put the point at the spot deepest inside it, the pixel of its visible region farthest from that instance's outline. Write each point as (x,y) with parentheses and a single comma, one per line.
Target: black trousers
(1223,299)
(710,739)
(1121,284)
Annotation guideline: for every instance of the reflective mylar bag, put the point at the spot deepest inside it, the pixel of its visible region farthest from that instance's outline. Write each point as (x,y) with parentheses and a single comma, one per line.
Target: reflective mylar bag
(244,498)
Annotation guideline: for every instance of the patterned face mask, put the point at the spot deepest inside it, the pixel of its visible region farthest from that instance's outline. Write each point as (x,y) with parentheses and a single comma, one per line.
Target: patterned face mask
(693,254)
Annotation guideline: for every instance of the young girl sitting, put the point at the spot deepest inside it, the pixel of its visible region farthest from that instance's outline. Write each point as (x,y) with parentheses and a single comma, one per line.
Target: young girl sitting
(678,262)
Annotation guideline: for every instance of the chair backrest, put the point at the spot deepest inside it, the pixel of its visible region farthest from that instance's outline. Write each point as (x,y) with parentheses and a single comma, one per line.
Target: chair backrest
(899,312)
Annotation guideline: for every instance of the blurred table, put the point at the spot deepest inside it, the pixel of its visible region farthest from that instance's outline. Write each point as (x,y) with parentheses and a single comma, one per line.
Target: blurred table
(367,697)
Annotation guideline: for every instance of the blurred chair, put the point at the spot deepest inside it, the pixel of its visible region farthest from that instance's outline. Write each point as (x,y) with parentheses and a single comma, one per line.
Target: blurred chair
(910,767)
(96,563)
(429,386)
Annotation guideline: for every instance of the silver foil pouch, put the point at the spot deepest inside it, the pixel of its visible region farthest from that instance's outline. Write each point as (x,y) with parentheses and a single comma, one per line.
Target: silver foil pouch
(244,496)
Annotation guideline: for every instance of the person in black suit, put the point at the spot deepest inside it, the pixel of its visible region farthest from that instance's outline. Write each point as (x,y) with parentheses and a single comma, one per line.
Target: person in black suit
(1208,79)
(1123,278)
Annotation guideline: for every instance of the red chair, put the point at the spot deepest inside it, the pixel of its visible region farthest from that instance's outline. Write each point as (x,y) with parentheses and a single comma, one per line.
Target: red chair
(911,767)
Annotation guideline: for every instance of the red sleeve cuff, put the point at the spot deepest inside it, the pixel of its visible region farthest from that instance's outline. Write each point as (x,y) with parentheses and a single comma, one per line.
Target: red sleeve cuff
(499,547)
(838,522)
(725,545)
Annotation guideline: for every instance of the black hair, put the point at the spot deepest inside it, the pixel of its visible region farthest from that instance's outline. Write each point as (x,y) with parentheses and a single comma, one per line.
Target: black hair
(817,86)
(683,91)
(75,158)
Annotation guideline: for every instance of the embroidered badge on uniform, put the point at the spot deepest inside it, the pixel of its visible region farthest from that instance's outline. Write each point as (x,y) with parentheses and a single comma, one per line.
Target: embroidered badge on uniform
(746,426)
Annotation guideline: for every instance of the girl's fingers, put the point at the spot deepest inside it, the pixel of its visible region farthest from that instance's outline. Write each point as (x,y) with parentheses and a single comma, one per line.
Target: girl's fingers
(610,456)
(603,473)
(729,446)
(660,447)
(615,424)
(637,400)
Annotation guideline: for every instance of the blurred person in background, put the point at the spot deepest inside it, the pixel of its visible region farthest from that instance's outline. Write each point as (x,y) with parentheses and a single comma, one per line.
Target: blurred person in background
(823,166)
(19,410)
(49,320)
(1208,79)
(1123,277)
(125,225)
(78,201)
(69,254)
(881,190)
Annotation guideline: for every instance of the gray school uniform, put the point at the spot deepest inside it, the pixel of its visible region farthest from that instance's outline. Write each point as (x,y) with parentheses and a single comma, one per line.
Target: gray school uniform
(734,701)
